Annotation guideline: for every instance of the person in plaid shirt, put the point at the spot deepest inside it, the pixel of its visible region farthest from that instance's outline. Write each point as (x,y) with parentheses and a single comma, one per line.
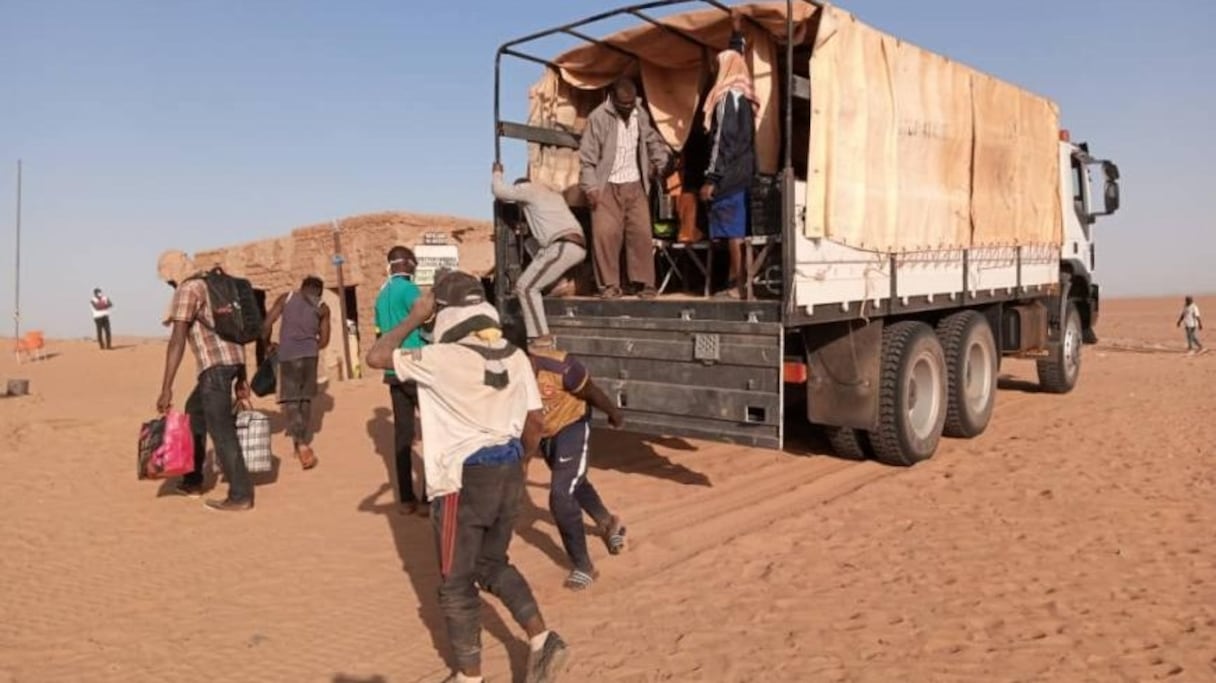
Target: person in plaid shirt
(221,367)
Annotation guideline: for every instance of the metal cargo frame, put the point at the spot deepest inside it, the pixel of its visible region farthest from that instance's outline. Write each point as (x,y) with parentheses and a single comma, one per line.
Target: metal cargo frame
(695,367)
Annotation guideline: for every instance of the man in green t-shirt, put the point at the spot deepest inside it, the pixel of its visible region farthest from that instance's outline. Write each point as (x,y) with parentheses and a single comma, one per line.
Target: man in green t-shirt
(393,304)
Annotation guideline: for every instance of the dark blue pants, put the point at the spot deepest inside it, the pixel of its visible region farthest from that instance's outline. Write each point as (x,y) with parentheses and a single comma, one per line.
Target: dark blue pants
(210,409)
(570,493)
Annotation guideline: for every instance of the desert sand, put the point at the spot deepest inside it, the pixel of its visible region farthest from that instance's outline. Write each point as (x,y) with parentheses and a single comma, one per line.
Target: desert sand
(1071,542)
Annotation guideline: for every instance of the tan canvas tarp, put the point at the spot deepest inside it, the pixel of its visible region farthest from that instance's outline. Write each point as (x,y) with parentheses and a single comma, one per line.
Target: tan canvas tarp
(910,151)
(673,72)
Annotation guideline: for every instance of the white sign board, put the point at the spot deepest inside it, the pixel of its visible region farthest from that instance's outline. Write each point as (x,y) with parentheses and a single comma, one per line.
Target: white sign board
(433,257)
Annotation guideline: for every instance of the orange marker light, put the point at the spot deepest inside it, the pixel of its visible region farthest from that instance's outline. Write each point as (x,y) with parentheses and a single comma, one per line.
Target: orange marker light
(795,373)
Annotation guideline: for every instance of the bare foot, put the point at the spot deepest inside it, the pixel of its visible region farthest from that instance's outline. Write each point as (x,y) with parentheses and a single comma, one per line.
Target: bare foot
(307,459)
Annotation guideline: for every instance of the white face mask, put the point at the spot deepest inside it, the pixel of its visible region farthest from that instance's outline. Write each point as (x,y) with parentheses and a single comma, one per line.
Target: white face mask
(388,269)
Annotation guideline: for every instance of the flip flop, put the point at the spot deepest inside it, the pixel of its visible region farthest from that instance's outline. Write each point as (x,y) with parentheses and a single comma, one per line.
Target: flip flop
(614,535)
(579,580)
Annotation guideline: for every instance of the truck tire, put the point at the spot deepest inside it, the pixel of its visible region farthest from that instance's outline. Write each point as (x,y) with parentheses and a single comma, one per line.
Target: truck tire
(1058,374)
(912,395)
(971,365)
(849,443)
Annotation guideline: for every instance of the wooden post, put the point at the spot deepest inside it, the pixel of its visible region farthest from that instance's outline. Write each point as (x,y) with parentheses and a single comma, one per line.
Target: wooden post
(338,260)
(17,268)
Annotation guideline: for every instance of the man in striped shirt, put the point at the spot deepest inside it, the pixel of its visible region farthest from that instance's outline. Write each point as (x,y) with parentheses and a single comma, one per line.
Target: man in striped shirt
(620,154)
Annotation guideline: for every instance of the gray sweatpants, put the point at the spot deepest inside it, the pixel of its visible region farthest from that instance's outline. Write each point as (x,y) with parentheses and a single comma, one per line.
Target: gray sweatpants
(549,264)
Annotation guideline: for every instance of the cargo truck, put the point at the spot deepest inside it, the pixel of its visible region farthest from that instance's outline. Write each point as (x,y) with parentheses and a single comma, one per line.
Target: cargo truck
(913,222)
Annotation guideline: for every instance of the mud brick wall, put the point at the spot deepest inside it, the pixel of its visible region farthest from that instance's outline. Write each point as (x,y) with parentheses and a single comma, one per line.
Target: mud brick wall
(277,265)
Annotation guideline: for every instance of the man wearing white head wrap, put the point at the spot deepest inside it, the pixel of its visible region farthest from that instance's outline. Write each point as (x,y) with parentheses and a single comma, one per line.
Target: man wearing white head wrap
(481,413)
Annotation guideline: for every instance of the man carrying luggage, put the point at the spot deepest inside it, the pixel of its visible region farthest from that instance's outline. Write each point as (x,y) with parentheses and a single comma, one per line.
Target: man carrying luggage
(221,368)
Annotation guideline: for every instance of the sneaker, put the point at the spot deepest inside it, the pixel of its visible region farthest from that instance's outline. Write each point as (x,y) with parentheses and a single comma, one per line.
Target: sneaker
(229,505)
(546,663)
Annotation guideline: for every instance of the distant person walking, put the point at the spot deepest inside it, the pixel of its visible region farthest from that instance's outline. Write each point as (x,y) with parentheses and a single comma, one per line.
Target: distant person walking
(101,305)
(620,154)
(568,393)
(304,332)
(562,246)
(1191,321)
(481,410)
(396,300)
(221,369)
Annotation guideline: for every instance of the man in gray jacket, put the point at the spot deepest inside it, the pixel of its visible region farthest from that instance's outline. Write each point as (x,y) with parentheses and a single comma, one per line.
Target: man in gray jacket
(562,247)
(620,153)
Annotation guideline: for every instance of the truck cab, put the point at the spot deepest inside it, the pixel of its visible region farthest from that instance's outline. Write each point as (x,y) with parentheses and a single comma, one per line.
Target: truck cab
(1089,190)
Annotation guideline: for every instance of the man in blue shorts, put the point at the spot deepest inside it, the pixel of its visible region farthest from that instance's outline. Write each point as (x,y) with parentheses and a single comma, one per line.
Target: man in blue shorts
(730,116)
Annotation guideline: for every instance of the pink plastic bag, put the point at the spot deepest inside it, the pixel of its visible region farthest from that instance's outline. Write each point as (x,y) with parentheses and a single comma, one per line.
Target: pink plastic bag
(166,447)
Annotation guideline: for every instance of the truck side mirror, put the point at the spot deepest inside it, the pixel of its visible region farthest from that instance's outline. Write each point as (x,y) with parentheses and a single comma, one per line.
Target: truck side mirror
(1110,188)
(1111,191)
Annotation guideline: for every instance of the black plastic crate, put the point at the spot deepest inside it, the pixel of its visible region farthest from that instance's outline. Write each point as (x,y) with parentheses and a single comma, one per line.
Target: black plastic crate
(766,205)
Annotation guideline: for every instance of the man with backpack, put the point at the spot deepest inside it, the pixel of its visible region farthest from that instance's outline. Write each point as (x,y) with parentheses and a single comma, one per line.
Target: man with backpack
(304,332)
(211,312)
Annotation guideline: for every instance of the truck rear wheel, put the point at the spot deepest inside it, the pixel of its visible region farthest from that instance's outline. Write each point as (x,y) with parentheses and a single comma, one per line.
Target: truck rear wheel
(849,443)
(912,395)
(1058,374)
(971,365)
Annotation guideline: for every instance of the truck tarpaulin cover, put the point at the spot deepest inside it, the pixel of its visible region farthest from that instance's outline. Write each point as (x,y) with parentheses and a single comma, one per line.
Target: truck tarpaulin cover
(909,151)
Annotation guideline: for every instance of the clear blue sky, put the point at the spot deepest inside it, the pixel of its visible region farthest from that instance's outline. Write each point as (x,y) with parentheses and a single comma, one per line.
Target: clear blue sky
(154,124)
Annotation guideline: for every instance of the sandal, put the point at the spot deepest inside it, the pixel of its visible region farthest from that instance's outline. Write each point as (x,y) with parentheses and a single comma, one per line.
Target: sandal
(579,580)
(614,535)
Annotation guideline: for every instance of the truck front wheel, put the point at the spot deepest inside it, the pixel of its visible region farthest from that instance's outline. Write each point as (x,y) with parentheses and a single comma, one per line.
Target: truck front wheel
(971,362)
(912,395)
(1058,374)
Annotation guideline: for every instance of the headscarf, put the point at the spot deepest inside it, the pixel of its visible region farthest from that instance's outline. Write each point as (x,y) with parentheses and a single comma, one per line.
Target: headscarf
(733,74)
(466,318)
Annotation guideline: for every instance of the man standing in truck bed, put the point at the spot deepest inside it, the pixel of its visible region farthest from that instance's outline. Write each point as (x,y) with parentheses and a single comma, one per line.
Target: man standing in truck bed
(730,116)
(620,152)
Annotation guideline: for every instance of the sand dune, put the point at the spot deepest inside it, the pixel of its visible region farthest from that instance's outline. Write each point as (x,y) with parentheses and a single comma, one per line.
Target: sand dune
(1071,542)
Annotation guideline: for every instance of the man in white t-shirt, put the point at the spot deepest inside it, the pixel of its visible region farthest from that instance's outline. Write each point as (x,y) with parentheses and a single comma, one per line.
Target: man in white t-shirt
(101,305)
(1193,323)
(481,415)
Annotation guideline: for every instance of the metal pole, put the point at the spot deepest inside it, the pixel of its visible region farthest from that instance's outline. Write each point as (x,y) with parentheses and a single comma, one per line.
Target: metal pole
(338,260)
(17,270)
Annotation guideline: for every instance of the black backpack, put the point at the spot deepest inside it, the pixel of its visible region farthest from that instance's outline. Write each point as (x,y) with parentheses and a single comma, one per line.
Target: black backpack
(234,308)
